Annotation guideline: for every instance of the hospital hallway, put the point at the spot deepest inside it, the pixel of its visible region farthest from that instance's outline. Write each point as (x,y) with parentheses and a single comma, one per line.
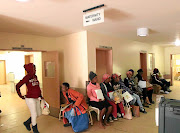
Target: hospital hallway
(15,112)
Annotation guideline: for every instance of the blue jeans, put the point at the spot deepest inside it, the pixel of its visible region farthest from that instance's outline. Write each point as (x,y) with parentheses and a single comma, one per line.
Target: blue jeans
(136,98)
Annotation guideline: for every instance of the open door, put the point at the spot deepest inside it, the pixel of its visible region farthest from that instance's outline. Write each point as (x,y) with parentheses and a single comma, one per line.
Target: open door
(143,60)
(51,87)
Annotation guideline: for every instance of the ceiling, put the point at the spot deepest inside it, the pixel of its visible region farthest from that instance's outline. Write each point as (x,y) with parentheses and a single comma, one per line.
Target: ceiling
(55,18)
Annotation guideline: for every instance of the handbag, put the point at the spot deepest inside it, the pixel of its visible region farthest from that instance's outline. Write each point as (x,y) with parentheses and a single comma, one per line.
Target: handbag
(128,113)
(135,110)
(79,122)
(44,107)
(127,97)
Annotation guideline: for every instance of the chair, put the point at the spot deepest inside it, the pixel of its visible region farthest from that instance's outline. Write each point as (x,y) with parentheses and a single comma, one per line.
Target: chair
(60,112)
(91,109)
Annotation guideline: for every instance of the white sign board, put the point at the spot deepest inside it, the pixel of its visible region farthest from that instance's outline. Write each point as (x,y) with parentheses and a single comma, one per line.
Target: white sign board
(93,17)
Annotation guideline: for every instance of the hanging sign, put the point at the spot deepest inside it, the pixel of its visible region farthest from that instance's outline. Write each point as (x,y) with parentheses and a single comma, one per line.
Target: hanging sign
(94,17)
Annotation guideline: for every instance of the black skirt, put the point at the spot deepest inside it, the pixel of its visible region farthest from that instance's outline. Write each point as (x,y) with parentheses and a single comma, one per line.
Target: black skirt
(100,105)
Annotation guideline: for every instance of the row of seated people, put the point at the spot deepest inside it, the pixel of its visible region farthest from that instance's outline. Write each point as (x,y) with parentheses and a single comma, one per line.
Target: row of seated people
(109,109)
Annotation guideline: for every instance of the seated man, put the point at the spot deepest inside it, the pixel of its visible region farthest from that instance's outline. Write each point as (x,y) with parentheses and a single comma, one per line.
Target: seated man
(102,104)
(136,98)
(76,99)
(162,82)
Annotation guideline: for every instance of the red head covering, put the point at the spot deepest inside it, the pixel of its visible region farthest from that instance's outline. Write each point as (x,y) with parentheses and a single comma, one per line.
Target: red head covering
(105,76)
(29,68)
(114,76)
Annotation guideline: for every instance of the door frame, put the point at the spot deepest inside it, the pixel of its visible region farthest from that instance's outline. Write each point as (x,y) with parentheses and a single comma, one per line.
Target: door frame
(4,70)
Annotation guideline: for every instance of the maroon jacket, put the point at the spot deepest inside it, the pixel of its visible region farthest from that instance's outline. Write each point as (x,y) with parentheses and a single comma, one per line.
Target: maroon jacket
(31,82)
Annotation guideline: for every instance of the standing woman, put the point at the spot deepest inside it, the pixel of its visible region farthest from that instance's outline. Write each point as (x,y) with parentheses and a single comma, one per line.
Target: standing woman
(33,93)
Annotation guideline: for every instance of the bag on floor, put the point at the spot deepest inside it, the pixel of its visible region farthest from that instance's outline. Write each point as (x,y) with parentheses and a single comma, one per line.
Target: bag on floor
(135,110)
(45,107)
(128,113)
(79,122)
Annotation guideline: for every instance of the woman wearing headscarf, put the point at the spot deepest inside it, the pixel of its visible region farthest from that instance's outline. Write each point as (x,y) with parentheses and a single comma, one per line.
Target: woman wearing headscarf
(147,94)
(162,82)
(76,100)
(107,88)
(102,104)
(32,97)
(129,83)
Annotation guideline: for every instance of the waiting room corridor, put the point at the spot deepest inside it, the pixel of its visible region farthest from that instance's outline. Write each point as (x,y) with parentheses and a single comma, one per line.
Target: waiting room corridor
(15,112)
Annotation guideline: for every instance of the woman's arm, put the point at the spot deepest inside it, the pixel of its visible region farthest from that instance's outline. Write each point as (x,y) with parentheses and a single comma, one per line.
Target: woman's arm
(90,95)
(18,86)
(79,97)
(104,92)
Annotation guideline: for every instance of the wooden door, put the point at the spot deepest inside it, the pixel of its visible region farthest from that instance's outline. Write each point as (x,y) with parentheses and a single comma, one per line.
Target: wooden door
(51,83)
(171,68)
(143,61)
(2,72)
(103,63)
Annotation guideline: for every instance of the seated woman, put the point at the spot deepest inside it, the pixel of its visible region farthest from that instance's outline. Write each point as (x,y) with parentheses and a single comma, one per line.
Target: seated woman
(106,88)
(104,107)
(162,82)
(147,93)
(74,98)
(128,85)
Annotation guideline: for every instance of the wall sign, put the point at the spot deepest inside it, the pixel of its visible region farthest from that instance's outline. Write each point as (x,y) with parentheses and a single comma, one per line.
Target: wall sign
(21,48)
(94,17)
(105,47)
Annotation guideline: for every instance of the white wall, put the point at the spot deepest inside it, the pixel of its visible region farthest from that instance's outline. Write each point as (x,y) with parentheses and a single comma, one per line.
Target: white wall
(15,62)
(126,53)
(167,52)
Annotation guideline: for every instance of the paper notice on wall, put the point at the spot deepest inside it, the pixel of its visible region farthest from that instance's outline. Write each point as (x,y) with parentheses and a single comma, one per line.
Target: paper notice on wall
(94,17)
(99,94)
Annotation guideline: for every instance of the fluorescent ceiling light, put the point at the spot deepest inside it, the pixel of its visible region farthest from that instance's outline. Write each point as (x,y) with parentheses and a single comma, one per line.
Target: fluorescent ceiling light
(177,42)
(22,0)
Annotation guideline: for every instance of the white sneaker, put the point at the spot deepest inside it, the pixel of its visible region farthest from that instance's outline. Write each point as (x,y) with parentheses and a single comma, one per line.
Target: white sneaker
(119,115)
(110,119)
(161,91)
(166,92)
(115,119)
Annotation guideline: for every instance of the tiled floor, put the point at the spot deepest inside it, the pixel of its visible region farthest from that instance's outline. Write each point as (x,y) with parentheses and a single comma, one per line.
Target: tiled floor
(15,112)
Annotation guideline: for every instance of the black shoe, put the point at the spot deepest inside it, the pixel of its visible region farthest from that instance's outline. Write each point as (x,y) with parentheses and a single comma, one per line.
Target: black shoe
(169,90)
(0,111)
(147,106)
(67,125)
(143,111)
(27,124)
(152,102)
(35,129)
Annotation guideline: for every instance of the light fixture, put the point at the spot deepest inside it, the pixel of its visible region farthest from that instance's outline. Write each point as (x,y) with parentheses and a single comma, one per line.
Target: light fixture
(177,42)
(142,32)
(22,0)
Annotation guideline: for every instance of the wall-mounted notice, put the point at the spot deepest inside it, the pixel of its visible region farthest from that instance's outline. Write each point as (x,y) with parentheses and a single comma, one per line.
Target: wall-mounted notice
(94,17)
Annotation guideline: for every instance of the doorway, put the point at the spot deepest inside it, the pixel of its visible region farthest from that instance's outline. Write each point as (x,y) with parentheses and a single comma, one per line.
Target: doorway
(2,72)
(143,64)
(28,59)
(104,62)
(175,69)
